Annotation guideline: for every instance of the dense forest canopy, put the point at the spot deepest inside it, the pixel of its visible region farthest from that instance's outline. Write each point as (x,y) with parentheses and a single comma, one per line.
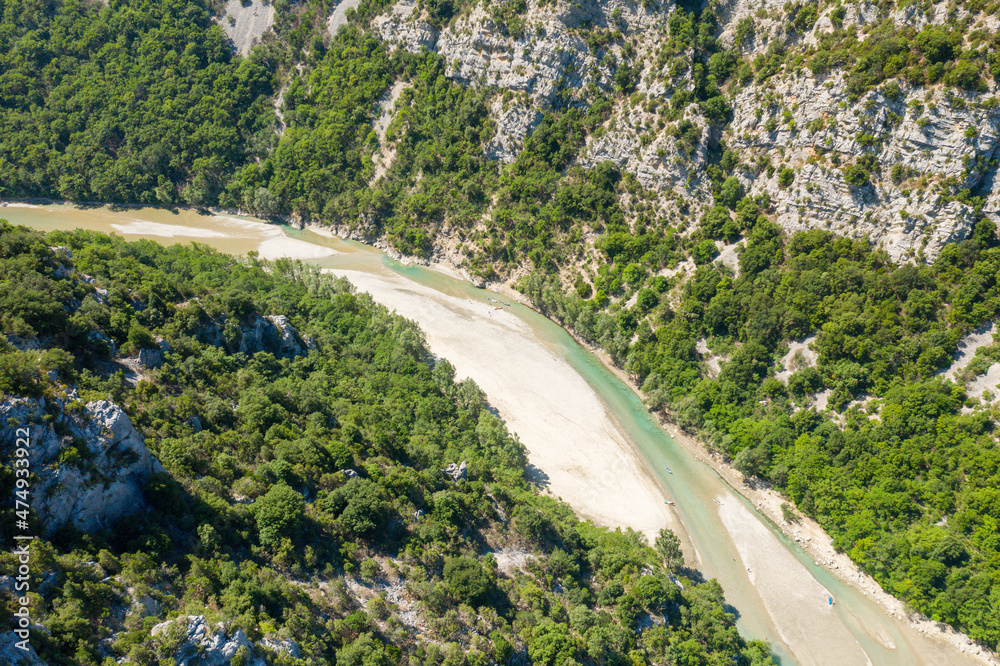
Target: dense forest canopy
(254,521)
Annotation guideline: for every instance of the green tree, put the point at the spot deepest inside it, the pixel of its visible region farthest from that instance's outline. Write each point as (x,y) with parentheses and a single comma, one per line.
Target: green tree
(731,192)
(279,514)
(785,178)
(467,579)
(668,545)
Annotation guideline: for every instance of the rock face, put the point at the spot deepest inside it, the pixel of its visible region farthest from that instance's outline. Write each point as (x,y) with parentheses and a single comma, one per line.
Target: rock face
(12,655)
(153,358)
(201,646)
(928,143)
(288,338)
(920,142)
(273,333)
(89,477)
(456,472)
(514,123)
(404,28)
(246,21)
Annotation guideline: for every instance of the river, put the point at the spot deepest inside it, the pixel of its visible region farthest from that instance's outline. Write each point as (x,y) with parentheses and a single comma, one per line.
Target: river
(590,439)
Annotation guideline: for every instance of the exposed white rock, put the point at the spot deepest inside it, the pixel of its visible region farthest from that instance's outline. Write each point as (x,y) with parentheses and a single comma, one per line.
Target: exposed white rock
(286,647)
(986,382)
(951,141)
(288,337)
(246,21)
(966,348)
(386,154)
(514,123)
(201,646)
(339,15)
(800,355)
(273,333)
(456,472)
(153,358)
(404,27)
(96,491)
(938,141)
(729,255)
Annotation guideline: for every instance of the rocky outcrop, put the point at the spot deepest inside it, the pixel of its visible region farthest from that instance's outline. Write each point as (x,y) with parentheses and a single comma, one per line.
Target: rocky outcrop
(924,146)
(550,54)
(929,143)
(91,466)
(273,333)
(246,21)
(289,342)
(153,358)
(201,645)
(456,472)
(404,27)
(514,122)
(278,646)
(12,655)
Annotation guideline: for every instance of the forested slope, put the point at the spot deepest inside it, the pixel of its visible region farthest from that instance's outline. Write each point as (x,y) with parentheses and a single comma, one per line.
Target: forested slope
(301,498)
(696,188)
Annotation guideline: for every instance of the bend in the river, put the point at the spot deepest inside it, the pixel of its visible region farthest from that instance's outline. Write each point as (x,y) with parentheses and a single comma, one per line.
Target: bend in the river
(575,416)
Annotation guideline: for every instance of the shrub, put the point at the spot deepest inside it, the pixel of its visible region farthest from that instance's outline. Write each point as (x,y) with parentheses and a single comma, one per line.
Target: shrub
(785,178)
(467,580)
(704,252)
(278,514)
(731,192)
(966,75)
(714,221)
(359,504)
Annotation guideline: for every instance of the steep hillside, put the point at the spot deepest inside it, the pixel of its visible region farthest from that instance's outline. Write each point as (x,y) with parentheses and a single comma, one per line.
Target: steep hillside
(243,463)
(797,92)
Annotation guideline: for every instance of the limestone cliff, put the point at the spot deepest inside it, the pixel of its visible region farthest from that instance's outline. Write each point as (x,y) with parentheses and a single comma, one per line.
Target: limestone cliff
(927,143)
(89,463)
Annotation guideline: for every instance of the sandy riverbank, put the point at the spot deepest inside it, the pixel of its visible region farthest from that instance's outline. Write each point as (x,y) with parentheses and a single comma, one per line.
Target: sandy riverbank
(775,572)
(584,458)
(935,642)
(579,452)
(226,231)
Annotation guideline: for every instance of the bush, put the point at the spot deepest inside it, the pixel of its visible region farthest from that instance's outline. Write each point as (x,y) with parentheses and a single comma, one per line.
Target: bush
(19,373)
(714,221)
(855,175)
(647,300)
(650,592)
(966,75)
(139,337)
(731,192)
(468,581)
(785,178)
(359,504)
(704,252)
(278,514)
